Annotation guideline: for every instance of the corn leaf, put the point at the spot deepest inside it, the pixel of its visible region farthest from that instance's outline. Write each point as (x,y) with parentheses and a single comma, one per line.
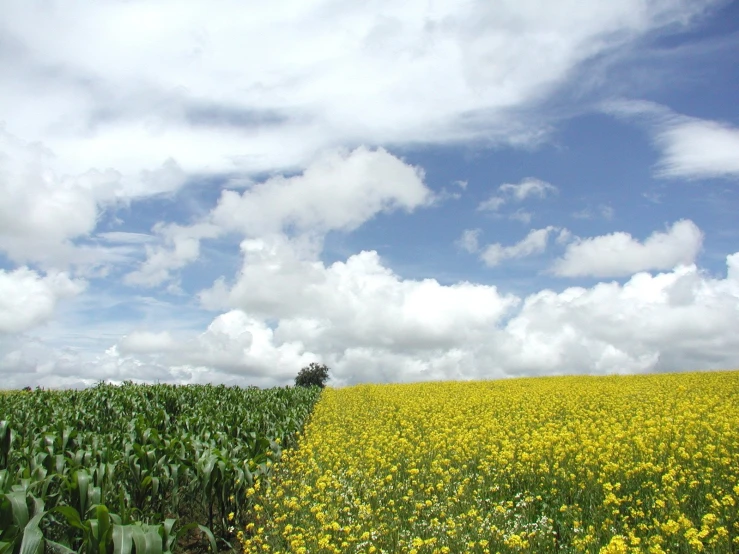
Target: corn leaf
(33,539)
(122,539)
(58,548)
(19,508)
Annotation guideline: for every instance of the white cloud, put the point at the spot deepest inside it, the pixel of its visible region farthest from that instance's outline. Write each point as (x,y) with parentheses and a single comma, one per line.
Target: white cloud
(47,217)
(564,236)
(28,299)
(41,212)
(233,343)
(695,148)
(692,148)
(604,211)
(238,343)
(470,240)
(522,216)
(145,342)
(196,84)
(358,302)
(670,321)
(619,254)
(123,237)
(534,243)
(181,246)
(340,190)
(653,197)
(442,196)
(529,187)
(377,327)
(492,204)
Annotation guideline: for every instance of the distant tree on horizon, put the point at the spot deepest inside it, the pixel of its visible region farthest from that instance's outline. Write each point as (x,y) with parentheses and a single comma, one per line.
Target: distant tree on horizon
(312,375)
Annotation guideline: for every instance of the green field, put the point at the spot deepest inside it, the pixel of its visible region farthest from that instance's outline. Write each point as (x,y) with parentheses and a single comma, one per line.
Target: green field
(135,467)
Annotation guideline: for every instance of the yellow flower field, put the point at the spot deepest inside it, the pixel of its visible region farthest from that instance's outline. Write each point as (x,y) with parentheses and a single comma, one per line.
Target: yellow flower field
(570,464)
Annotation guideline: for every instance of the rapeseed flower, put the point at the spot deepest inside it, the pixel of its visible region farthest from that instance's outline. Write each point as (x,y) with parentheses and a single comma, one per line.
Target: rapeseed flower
(578,464)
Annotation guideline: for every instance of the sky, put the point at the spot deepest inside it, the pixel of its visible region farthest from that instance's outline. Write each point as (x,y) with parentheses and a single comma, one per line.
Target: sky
(227,191)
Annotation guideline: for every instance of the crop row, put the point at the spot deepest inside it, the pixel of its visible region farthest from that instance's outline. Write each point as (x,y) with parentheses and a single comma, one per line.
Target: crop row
(136,467)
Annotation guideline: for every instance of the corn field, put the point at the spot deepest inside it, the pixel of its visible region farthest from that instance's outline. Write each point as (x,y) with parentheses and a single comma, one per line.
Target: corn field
(118,469)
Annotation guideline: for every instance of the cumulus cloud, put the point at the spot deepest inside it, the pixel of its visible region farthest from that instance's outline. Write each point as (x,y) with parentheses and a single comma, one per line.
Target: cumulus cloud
(28,299)
(41,212)
(381,328)
(339,191)
(619,254)
(241,344)
(670,321)
(359,301)
(48,218)
(676,320)
(534,243)
(234,343)
(564,236)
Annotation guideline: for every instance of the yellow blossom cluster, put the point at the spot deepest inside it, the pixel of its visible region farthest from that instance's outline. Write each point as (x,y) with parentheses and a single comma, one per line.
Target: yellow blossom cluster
(616,464)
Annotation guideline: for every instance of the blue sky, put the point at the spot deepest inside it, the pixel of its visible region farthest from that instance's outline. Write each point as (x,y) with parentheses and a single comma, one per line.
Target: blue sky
(227,191)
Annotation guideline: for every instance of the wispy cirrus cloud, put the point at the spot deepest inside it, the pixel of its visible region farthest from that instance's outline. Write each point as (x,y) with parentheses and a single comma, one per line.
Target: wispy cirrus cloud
(529,187)
(690,147)
(218,93)
(693,148)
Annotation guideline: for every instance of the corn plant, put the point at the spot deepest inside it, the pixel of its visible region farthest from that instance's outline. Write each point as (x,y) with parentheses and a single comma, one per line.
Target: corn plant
(107,468)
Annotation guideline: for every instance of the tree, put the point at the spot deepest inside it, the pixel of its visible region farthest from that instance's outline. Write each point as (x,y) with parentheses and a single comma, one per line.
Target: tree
(312,375)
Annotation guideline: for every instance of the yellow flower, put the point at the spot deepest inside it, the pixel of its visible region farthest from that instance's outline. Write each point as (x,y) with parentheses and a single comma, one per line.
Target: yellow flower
(671,527)
(616,546)
(623,456)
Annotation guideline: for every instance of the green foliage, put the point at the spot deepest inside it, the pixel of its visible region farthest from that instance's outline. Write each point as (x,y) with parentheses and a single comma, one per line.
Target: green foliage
(114,469)
(314,375)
